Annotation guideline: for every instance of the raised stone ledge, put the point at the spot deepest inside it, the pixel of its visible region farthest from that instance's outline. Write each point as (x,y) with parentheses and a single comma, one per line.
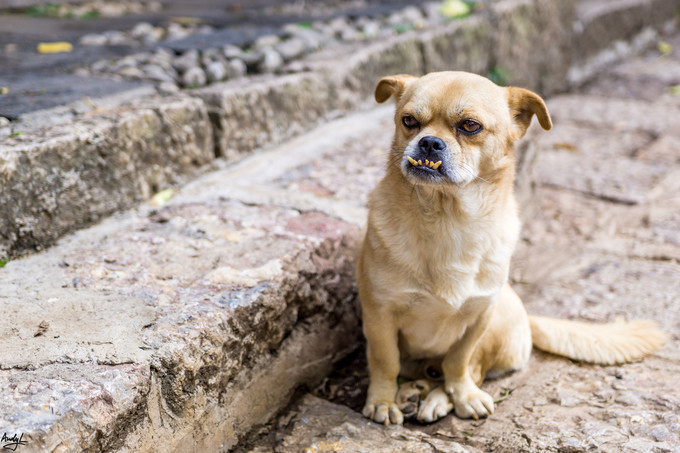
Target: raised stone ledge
(176,329)
(56,178)
(109,160)
(253,113)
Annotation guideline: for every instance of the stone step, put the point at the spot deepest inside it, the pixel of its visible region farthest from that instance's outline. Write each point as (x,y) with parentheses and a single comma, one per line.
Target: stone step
(115,151)
(183,325)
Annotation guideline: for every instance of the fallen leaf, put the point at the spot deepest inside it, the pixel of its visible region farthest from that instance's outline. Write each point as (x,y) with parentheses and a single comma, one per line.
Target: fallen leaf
(4,90)
(42,328)
(186,20)
(664,47)
(454,8)
(54,47)
(566,146)
(162,197)
(505,393)
(675,90)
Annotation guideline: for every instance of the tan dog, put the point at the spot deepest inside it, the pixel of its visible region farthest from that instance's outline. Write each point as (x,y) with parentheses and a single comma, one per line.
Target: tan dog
(433,267)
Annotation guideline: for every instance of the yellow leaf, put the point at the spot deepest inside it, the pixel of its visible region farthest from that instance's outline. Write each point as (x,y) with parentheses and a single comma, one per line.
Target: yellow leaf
(454,8)
(186,20)
(4,90)
(665,48)
(675,90)
(162,197)
(54,47)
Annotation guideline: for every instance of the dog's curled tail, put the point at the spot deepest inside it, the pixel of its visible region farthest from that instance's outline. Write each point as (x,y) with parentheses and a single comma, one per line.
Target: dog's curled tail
(604,344)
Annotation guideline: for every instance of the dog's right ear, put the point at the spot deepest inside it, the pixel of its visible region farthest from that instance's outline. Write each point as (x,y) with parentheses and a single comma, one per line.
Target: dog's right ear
(392,86)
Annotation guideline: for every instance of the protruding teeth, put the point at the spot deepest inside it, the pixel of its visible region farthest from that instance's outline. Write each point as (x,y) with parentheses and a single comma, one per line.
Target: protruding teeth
(428,163)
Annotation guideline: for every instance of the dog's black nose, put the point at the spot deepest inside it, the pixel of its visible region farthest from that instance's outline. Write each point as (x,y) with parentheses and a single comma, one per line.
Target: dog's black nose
(431,145)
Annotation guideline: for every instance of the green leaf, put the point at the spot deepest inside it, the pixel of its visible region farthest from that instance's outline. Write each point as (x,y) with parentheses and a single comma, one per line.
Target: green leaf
(403,28)
(664,48)
(499,75)
(454,9)
(162,197)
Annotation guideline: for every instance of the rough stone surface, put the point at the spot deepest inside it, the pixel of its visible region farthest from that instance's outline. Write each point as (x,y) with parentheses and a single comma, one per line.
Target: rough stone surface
(77,172)
(351,85)
(181,327)
(273,108)
(319,425)
(532,34)
(461,45)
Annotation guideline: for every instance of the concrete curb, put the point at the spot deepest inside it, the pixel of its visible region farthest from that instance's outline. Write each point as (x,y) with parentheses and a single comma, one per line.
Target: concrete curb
(250,113)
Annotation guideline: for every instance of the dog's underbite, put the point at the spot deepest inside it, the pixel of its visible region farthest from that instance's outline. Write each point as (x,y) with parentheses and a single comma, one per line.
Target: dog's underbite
(433,266)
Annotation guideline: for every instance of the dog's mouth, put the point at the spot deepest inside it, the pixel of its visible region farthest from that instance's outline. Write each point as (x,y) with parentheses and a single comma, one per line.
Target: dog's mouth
(420,164)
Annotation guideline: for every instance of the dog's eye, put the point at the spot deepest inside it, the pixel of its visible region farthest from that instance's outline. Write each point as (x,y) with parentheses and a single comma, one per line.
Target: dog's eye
(470,127)
(409,122)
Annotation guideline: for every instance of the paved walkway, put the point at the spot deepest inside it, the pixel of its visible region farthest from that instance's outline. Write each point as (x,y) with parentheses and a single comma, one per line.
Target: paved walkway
(602,241)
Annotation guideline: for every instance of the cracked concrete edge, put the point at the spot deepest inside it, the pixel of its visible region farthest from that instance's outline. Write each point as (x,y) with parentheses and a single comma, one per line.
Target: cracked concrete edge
(100,169)
(308,354)
(197,387)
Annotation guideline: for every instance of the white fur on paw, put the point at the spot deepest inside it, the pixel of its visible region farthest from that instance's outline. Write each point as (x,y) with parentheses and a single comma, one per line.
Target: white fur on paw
(435,406)
(474,404)
(386,413)
(410,395)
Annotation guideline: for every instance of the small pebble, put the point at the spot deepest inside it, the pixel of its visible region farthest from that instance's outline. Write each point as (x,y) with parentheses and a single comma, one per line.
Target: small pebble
(271,61)
(230,51)
(236,68)
(167,88)
(92,39)
(156,73)
(265,42)
(215,71)
(291,48)
(186,61)
(194,77)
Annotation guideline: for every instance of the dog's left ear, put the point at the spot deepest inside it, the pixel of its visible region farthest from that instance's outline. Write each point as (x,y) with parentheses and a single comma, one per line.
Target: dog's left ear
(524,104)
(392,86)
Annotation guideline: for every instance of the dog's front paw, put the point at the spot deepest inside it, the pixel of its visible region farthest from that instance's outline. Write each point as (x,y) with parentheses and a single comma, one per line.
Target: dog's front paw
(384,412)
(435,406)
(410,395)
(470,402)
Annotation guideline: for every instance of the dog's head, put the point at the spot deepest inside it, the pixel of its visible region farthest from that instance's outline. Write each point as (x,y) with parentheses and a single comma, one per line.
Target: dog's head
(455,127)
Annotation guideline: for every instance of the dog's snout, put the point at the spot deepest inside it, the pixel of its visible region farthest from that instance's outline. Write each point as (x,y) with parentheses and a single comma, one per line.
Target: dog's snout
(431,145)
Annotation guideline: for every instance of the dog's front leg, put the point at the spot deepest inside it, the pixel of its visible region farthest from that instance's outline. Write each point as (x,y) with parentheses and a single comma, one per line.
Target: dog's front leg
(383,365)
(468,399)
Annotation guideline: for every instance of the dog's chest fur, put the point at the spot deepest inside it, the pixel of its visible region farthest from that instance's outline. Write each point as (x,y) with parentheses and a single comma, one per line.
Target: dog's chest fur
(452,258)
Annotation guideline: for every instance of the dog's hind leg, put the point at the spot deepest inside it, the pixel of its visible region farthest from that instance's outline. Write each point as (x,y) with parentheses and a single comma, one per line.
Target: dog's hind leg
(505,346)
